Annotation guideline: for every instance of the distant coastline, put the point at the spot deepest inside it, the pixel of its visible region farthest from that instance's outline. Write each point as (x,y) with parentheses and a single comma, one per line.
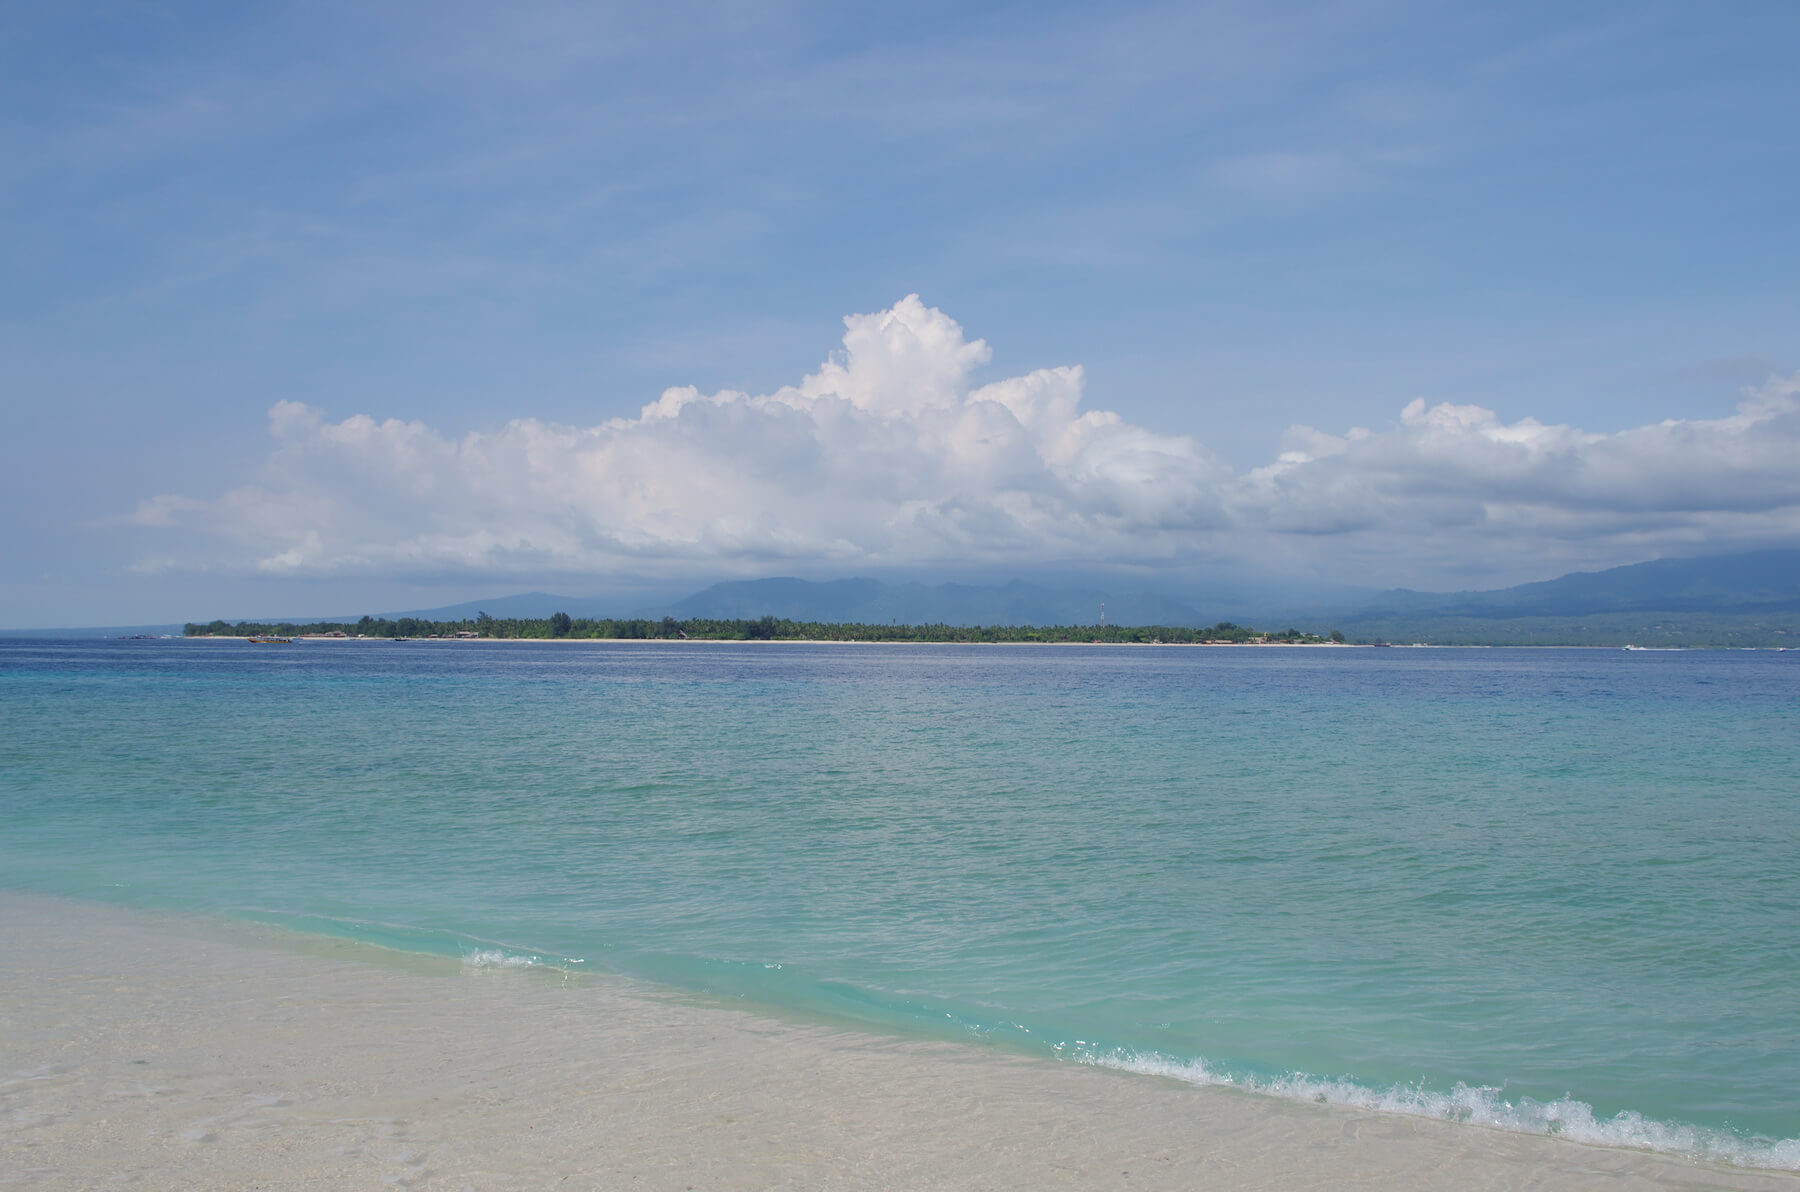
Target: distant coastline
(562,627)
(1591,632)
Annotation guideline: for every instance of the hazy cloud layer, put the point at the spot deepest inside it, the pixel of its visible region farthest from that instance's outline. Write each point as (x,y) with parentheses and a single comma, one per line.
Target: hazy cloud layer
(890,456)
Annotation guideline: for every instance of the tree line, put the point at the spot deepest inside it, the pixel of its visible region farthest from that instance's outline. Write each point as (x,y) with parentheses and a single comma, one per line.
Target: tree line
(765,628)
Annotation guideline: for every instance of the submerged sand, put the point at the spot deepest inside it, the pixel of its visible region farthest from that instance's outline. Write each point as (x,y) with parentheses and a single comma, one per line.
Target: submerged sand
(157,1052)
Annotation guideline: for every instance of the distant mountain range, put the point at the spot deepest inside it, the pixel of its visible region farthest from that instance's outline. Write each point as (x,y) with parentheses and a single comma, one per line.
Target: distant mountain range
(872,602)
(1752,582)
(1749,598)
(1745,598)
(524,605)
(1758,583)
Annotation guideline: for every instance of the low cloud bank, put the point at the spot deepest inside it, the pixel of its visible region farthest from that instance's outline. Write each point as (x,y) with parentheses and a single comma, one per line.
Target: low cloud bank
(889,456)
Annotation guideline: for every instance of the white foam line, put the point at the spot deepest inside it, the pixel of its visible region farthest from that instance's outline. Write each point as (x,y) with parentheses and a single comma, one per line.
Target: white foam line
(1565,1118)
(496,958)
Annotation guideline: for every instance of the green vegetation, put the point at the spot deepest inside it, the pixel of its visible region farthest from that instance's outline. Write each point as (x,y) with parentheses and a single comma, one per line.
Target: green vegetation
(1690,630)
(768,628)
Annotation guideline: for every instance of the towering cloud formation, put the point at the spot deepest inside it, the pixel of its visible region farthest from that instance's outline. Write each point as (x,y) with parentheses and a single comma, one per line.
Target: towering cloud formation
(888,455)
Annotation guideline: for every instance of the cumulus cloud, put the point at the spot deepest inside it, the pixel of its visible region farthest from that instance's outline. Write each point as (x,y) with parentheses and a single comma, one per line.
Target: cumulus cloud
(891,455)
(1458,465)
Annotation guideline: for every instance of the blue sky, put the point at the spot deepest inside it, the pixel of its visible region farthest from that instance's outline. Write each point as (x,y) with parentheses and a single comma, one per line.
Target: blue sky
(317,308)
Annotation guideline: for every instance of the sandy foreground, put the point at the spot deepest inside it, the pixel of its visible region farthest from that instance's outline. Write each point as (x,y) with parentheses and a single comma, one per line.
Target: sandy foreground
(148,1051)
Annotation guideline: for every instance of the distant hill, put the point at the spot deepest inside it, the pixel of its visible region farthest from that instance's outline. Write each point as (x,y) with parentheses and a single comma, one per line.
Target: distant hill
(521,605)
(1747,598)
(1752,582)
(872,602)
(525,604)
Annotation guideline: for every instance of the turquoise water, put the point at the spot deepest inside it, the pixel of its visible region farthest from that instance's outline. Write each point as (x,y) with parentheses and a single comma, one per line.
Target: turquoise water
(1553,890)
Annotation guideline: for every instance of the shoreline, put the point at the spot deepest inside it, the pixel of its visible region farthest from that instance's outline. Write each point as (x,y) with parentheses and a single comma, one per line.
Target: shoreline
(833,641)
(866,641)
(852,641)
(859,641)
(201,1053)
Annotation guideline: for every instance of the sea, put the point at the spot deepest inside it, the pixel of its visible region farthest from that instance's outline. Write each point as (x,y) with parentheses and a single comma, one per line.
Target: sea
(1544,890)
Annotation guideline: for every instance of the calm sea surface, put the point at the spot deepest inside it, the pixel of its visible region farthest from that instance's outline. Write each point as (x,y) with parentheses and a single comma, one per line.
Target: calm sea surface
(1554,890)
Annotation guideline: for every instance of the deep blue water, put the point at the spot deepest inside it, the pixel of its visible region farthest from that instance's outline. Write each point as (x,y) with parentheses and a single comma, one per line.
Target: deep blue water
(1547,889)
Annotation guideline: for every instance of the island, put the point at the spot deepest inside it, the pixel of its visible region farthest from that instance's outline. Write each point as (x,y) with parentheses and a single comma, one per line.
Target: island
(766,628)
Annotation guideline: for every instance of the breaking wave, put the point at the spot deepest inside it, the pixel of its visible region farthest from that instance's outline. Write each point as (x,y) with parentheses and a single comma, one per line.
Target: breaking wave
(1563,1118)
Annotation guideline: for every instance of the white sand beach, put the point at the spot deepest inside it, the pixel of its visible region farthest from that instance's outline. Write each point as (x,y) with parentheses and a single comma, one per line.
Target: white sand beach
(158,1052)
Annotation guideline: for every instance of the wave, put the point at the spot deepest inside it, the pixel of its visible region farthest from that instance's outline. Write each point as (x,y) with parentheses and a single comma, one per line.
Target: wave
(475,951)
(499,958)
(1480,1106)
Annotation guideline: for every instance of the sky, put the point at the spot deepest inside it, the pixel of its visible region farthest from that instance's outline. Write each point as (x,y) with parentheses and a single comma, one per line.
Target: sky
(328,308)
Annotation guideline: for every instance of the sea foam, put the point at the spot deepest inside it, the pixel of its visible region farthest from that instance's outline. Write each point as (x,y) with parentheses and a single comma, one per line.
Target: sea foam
(1480,1106)
(498,958)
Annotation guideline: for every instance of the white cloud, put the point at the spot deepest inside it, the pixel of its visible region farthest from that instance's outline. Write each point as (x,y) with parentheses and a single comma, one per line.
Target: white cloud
(891,455)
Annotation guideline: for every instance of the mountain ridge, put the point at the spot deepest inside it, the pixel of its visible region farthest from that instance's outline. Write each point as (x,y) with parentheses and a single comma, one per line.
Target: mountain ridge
(1742,587)
(1765,581)
(871,601)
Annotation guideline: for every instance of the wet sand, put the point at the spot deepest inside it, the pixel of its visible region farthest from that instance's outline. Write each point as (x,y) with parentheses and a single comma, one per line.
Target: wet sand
(158,1052)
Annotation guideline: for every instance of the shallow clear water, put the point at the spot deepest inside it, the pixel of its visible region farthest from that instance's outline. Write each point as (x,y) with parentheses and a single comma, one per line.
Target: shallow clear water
(1538,888)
